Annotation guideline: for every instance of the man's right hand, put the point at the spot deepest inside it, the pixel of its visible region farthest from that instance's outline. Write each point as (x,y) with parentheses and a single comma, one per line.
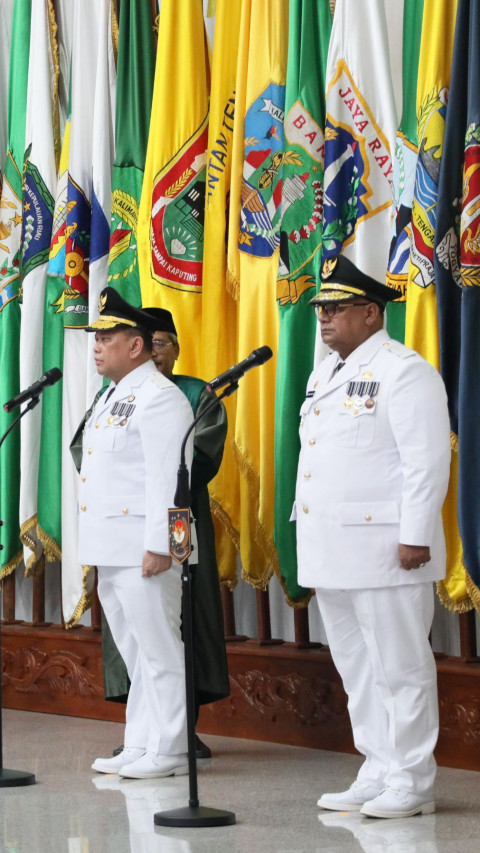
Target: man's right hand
(155,564)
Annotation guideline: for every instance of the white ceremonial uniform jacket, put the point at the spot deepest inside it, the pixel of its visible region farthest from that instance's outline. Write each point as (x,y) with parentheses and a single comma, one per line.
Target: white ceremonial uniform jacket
(373,468)
(131,455)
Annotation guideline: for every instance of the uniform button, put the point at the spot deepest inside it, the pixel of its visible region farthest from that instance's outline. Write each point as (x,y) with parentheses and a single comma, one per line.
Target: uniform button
(97,425)
(125,510)
(306,509)
(307,475)
(368,518)
(83,508)
(317,411)
(90,451)
(312,441)
(83,478)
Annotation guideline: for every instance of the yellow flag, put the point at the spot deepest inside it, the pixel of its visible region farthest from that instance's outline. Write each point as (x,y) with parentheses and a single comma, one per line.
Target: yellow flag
(421,327)
(171,217)
(219,315)
(261,77)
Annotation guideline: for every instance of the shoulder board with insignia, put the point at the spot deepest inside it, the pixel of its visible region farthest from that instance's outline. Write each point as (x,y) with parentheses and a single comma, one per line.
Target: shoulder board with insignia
(398,349)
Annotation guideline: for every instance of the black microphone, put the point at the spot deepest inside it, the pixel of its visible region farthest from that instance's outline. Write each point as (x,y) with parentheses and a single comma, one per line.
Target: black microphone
(49,378)
(258,356)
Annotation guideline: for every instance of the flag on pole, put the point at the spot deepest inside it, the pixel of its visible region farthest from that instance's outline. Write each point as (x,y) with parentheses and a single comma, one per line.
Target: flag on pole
(39,185)
(432,94)
(359,137)
(421,330)
(405,162)
(10,283)
(6,10)
(261,76)
(135,72)
(457,274)
(49,527)
(86,263)
(310,25)
(171,221)
(219,319)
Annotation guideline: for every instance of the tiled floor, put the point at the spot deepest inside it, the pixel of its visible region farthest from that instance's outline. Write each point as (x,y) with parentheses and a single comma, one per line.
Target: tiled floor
(272,789)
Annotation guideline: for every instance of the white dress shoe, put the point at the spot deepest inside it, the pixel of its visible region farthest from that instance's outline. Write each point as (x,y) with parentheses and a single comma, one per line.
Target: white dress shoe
(113,765)
(151,766)
(393,803)
(351,800)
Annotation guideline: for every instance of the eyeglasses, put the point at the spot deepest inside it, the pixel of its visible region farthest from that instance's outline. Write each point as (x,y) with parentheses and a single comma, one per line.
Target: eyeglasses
(161,345)
(332,308)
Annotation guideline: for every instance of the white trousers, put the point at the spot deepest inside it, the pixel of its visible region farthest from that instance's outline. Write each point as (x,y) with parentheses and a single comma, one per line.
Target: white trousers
(144,618)
(378,639)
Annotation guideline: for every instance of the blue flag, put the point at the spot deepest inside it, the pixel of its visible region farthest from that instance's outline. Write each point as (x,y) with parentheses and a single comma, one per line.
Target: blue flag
(457,272)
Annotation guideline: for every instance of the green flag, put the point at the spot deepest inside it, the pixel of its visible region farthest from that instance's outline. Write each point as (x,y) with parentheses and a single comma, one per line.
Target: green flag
(135,73)
(300,255)
(406,151)
(10,280)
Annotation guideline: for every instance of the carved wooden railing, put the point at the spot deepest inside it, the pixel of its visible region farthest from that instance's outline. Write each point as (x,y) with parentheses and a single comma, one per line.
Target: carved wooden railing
(288,692)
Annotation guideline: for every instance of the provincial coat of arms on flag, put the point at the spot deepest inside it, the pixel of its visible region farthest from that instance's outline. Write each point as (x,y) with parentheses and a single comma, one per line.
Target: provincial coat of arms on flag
(358,165)
(302,199)
(10,250)
(77,256)
(262,172)
(123,235)
(431,130)
(470,220)
(70,301)
(178,213)
(37,219)
(404,171)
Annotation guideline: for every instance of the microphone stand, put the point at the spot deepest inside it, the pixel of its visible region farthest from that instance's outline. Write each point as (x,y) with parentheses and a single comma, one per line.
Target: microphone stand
(194,814)
(13,778)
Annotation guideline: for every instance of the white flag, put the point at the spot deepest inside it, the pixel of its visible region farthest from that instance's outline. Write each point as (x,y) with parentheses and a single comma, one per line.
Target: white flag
(38,202)
(89,195)
(360,133)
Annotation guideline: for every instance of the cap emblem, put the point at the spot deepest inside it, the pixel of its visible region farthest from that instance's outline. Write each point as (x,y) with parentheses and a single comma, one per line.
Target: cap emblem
(328,267)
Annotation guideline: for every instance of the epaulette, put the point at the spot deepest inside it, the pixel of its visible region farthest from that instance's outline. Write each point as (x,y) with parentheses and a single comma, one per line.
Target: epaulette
(398,349)
(160,380)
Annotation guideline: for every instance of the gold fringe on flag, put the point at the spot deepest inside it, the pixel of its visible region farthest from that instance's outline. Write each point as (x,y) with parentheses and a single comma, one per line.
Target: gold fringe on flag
(85,600)
(56,74)
(11,566)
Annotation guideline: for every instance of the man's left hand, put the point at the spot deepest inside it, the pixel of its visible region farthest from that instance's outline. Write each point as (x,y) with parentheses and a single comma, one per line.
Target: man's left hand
(413,556)
(155,564)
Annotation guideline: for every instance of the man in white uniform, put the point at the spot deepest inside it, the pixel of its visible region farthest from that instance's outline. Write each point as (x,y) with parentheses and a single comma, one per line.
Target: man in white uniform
(372,477)
(131,452)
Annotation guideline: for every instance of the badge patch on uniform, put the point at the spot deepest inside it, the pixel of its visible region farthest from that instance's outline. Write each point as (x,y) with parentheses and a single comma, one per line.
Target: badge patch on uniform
(179,534)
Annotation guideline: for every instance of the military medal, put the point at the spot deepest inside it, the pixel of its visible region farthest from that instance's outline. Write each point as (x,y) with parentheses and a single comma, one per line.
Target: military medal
(359,403)
(369,404)
(348,403)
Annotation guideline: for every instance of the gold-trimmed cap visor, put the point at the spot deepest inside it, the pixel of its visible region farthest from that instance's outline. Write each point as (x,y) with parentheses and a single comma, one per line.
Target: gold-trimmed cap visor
(114,311)
(336,293)
(109,322)
(342,280)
